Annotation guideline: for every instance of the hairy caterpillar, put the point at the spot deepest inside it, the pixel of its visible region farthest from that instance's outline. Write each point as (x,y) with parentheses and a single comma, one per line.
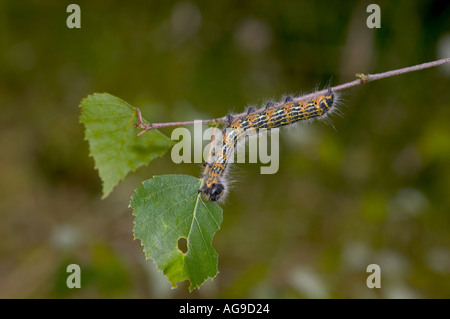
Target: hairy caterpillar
(214,186)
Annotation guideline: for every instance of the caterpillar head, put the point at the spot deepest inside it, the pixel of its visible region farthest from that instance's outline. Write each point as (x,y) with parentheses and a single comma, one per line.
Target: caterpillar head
(214,192)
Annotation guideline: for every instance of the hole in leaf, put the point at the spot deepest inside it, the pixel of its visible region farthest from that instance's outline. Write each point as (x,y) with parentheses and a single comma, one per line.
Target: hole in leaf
(182,244)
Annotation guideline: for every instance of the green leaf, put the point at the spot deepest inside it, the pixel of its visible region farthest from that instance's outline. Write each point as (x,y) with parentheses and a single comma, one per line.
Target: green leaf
(109,129)
(167,208)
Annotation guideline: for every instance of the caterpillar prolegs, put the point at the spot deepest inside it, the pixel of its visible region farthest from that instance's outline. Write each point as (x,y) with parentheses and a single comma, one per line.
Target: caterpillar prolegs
(214,186)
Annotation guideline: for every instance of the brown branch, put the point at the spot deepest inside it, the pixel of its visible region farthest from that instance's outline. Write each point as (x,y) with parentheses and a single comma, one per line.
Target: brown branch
(362,78)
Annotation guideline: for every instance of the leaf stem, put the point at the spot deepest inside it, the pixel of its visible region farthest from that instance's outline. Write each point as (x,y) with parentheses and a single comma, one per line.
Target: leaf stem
(362,78)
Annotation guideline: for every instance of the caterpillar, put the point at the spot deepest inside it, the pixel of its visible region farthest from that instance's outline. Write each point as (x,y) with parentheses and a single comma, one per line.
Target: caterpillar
(214,187)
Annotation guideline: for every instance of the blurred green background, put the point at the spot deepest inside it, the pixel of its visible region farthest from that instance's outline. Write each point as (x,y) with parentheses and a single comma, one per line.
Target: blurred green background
(375,190)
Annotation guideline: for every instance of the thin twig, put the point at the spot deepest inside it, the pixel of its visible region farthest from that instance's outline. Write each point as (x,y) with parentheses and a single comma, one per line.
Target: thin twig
(362,78)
